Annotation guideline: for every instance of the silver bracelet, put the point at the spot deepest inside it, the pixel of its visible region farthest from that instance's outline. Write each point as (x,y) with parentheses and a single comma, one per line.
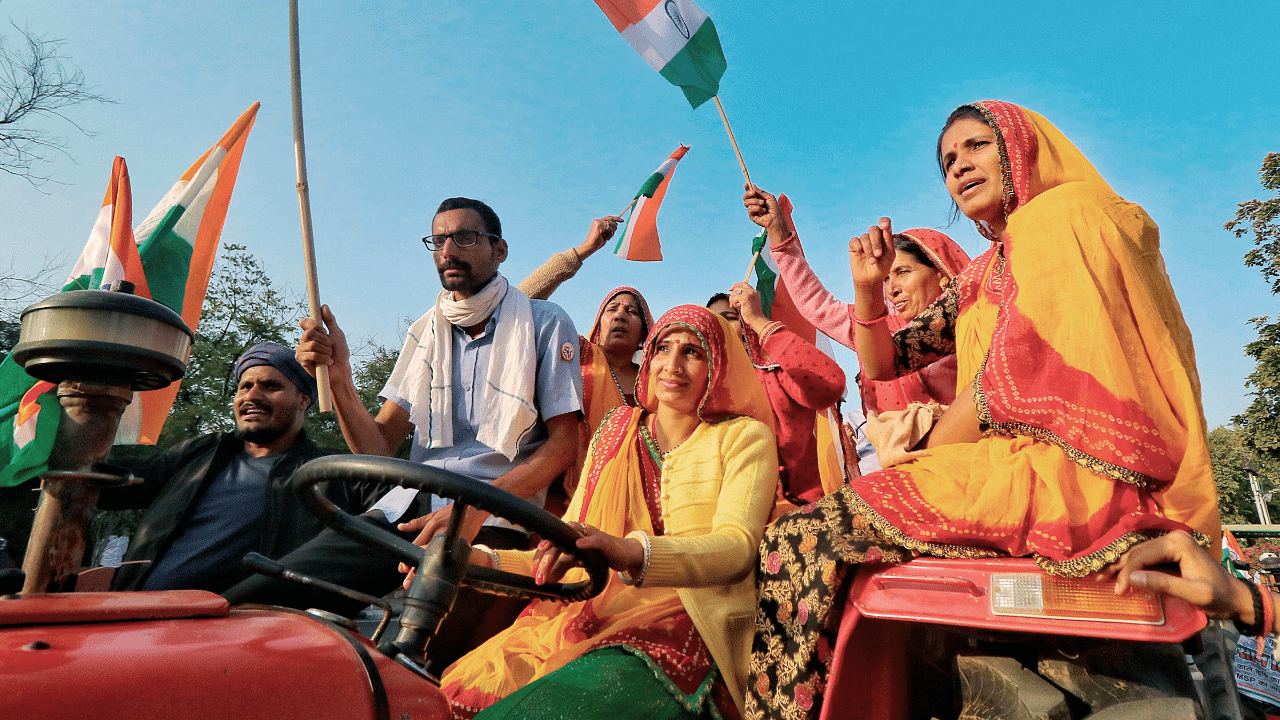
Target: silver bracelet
(644,567)
(493,555)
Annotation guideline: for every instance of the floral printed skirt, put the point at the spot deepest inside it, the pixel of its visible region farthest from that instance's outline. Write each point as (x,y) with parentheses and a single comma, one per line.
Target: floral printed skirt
(803,562)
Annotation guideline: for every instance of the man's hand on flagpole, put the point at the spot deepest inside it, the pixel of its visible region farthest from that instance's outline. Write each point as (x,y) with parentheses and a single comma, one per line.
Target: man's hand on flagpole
(601,230)
(324,345)
(764,210)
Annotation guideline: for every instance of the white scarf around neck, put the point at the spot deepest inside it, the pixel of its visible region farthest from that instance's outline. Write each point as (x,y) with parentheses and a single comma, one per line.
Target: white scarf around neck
(508,392)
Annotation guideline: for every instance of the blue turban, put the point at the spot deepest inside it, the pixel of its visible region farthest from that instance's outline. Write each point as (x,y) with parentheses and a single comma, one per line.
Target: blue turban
(281,358)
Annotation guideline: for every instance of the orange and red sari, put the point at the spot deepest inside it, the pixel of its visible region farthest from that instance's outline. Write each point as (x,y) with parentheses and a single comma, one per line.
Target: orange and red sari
(1084,376)
(1087,394)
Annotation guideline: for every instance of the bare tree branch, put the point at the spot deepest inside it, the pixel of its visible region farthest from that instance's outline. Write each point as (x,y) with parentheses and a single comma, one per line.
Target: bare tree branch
(20,289)
(36,84)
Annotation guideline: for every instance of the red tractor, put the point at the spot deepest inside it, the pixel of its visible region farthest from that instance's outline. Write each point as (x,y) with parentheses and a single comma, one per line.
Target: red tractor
(927,639)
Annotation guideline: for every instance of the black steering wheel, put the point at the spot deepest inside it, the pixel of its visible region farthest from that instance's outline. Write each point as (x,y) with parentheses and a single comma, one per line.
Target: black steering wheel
(465,492)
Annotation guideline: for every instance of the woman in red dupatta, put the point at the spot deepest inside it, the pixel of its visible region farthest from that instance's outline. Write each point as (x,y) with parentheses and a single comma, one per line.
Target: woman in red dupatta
(899,410)
(1077,430)
(675,494)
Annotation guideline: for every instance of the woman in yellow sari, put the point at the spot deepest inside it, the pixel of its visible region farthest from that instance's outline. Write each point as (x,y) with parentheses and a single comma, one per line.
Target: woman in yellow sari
(675,494)
(1077,430)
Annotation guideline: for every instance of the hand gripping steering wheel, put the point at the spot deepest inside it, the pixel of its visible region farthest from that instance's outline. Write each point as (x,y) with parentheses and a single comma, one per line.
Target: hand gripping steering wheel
(455,551)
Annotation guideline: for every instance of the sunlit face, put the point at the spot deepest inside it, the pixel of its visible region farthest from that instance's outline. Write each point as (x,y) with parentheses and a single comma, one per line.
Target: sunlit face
(912,286)
(971,168)
(678,370)
(729,313)
(267,405)
(465,270)
(621,326)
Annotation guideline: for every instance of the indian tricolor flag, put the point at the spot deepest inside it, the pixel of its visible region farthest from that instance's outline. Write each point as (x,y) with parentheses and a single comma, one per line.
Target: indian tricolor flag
(111,253)
(777,304)
(639,237)
(676,38)
(168,258)
(28,424)
(29,417)
(177,242)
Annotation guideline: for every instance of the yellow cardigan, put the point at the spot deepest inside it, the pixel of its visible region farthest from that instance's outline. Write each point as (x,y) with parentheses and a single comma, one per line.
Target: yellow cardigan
(717,490)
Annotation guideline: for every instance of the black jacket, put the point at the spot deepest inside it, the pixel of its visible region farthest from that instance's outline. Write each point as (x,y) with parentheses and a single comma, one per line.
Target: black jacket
(173,481)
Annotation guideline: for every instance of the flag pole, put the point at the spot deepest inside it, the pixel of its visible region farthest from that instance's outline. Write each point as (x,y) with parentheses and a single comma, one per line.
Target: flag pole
(752,266)
(629,206)
(304,201)
(733,140)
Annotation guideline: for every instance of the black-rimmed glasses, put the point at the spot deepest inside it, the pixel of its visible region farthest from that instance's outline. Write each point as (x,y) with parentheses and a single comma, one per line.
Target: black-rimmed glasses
(461,238)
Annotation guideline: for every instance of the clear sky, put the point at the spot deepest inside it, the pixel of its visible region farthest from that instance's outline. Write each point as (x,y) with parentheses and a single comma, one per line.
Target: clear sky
(542,110)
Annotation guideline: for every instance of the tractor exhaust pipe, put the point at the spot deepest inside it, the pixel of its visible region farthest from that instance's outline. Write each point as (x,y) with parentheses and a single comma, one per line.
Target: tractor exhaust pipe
(98,347)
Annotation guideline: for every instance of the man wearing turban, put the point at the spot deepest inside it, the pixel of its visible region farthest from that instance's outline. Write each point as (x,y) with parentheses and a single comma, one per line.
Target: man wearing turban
(215,497)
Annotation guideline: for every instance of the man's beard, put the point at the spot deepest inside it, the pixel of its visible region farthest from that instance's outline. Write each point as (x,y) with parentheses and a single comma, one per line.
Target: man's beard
(260,435)
(462,283)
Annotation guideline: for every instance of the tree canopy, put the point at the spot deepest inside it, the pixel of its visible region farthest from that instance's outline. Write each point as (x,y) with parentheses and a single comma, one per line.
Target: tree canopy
(242,308)
(1255,434)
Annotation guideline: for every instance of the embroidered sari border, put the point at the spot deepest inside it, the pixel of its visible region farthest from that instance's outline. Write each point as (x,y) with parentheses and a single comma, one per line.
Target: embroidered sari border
(897,537)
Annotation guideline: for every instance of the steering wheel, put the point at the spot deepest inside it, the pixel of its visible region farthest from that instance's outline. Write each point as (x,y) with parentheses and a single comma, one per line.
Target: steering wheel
(465,492)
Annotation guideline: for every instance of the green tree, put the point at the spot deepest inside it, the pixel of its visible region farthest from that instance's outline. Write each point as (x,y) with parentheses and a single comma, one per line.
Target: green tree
(1260,422)
(1235,496)
(241,308)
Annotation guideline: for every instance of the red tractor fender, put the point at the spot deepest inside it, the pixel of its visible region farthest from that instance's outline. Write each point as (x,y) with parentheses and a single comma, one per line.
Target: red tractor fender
(186,654)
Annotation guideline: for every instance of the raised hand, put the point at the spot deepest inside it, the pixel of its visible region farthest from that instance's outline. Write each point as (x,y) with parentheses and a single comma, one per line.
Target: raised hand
(601,230)
(871,254)
(746,300)
(764,210)
(324,344)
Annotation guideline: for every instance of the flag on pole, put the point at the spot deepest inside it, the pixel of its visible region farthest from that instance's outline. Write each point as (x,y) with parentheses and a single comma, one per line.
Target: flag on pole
(676,38)
(177,242)
(111,253)
(29,408)
(639,237)
(778,305)
(28,424)
(172,266)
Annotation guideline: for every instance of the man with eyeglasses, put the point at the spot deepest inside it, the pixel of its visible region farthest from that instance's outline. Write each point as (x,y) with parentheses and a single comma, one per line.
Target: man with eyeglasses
(489,386)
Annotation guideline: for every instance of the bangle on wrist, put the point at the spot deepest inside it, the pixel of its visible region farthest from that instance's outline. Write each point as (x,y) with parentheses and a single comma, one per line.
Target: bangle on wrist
(785,242)
(1258,628)
(493,555)
(769,330)
(874,321)
(644,566)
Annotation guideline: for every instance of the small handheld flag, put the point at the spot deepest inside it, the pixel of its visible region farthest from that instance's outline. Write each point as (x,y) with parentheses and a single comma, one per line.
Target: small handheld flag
(639,237)
(777,304)
(676,38)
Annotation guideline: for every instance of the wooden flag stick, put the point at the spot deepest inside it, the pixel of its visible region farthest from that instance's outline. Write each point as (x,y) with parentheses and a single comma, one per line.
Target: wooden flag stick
(304,201)
(733,140)
(751,267)
(629,206)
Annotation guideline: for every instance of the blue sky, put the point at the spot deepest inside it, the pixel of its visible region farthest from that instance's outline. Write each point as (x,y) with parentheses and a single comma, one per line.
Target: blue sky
(546,113)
